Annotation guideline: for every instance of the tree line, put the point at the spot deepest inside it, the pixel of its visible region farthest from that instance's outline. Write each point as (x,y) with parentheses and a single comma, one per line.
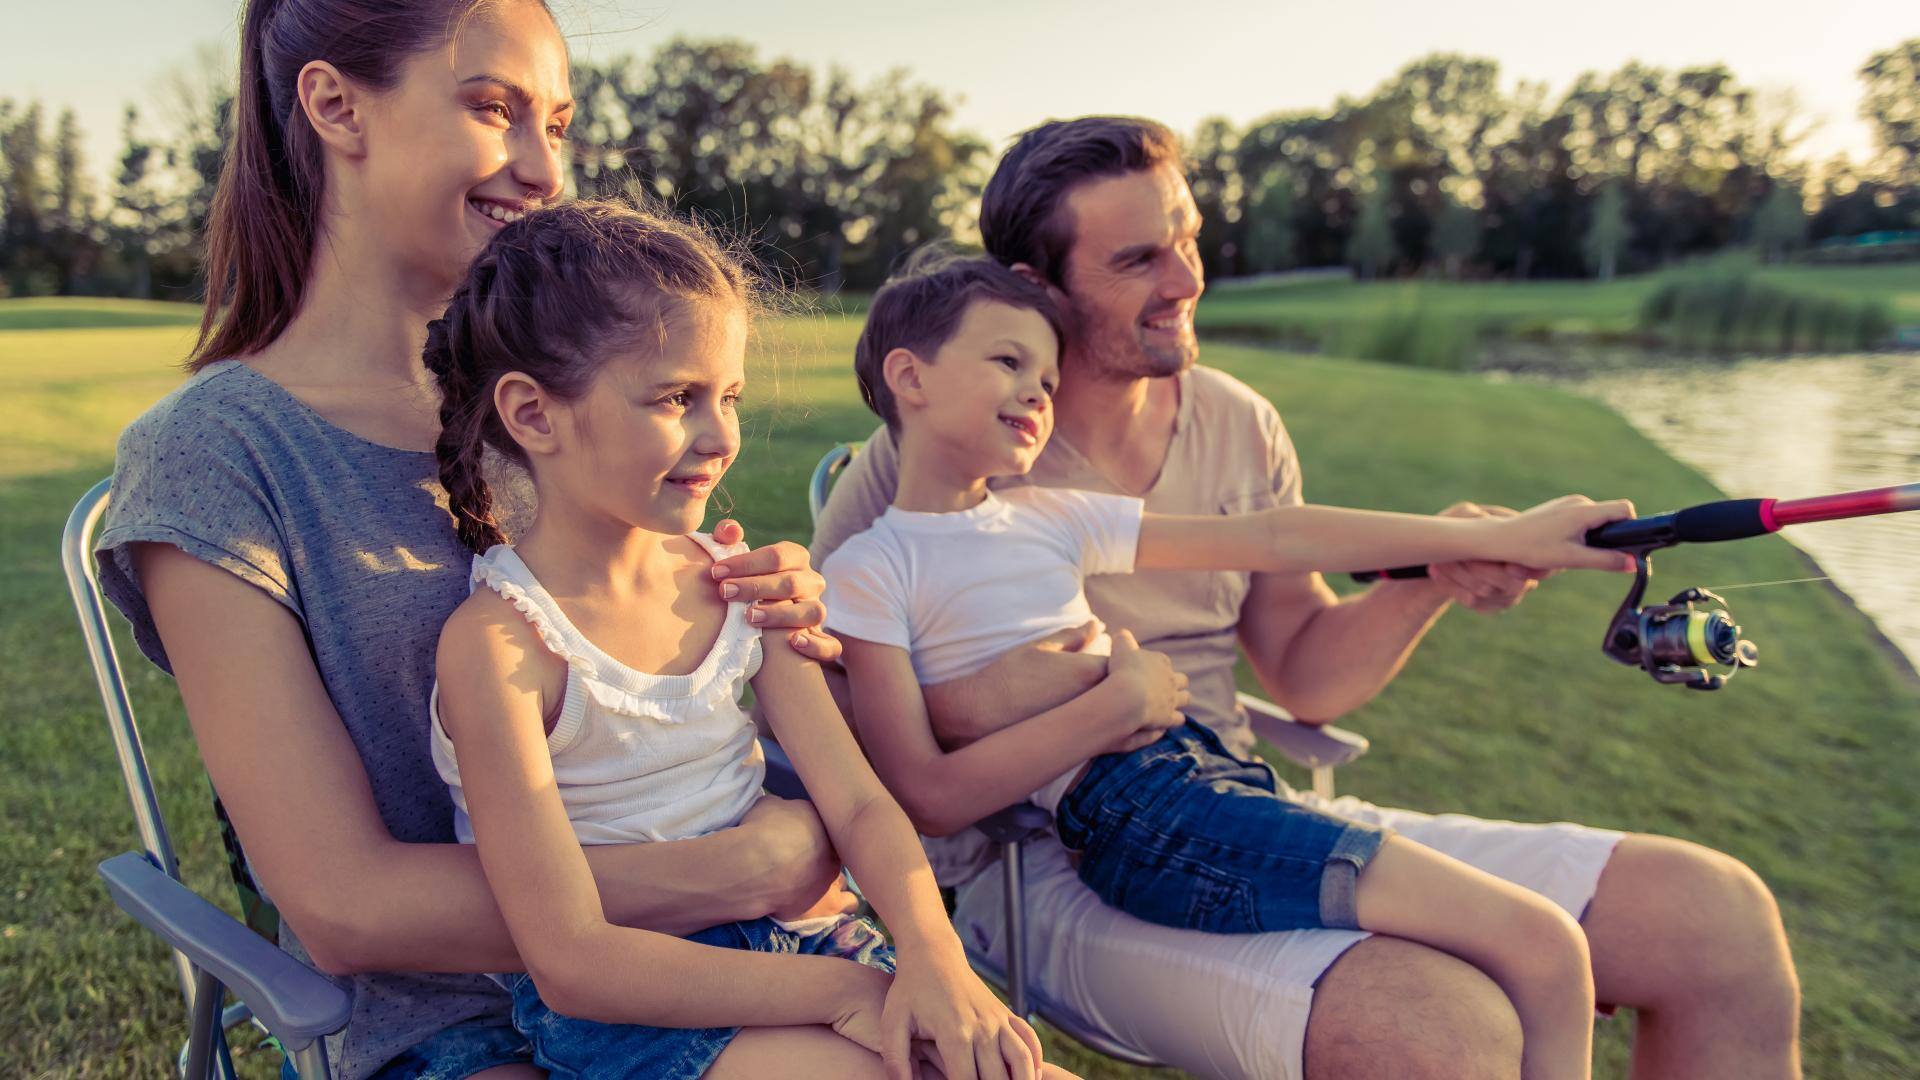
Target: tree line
(1440,170)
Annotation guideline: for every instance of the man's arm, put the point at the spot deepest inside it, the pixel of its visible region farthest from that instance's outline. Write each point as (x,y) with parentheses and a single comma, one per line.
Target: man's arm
(1321,656)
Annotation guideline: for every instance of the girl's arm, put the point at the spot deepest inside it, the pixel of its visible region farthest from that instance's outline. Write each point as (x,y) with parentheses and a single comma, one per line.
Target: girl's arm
(584,965)
(299,798)
(936,996)
(945,791)
(1298,539)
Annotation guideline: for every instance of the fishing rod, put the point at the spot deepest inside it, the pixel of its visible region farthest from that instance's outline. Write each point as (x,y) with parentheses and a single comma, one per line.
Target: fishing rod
(1677,641)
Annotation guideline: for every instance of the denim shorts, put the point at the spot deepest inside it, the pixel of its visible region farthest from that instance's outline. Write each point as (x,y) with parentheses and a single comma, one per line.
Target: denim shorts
(568,1048)
(1184,834)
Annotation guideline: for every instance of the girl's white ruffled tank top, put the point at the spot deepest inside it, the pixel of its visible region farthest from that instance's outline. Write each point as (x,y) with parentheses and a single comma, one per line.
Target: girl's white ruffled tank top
(637,757)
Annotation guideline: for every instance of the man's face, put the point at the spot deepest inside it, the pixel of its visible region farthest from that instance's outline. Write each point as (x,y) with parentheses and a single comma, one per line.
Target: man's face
(1133,275)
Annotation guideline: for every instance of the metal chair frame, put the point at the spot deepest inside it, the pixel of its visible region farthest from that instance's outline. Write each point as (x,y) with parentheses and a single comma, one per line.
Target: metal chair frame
(1317,747)
(212,951)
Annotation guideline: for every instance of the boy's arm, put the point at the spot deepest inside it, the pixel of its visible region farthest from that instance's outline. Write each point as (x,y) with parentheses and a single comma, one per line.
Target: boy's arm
(945,791)
(583,965)
(1298,539)
(1020,683)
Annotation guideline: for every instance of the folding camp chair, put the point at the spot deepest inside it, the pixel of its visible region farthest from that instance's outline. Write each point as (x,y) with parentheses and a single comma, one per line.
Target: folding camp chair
(1318,748)
(212,951)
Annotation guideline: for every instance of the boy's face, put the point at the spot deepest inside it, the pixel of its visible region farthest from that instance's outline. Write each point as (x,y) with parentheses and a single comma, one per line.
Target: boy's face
(989,389)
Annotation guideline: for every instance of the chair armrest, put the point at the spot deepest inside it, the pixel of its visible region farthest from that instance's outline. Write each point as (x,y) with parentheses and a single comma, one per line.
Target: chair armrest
(1014,824)
(295,1002)
(1311,746)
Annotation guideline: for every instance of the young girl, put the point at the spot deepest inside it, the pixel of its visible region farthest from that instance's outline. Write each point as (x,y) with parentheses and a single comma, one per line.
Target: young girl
(587,690)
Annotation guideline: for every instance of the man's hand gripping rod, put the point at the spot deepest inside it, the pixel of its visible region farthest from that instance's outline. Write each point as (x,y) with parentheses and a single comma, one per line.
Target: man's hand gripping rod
(1674,642)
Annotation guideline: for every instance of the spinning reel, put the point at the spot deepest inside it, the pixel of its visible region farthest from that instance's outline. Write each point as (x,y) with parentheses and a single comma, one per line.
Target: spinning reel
(1676,642)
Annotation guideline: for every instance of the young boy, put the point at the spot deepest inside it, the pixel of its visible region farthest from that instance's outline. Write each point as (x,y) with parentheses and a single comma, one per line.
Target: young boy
(961,358)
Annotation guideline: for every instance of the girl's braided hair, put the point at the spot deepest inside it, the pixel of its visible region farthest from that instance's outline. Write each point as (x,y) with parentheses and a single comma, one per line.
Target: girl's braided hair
(546,298)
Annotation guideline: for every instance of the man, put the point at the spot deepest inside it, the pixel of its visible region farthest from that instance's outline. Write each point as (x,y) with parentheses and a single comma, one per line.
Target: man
(1099,208)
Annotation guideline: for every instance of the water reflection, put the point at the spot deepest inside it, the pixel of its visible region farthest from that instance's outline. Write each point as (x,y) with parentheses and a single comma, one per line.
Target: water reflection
(1793,428)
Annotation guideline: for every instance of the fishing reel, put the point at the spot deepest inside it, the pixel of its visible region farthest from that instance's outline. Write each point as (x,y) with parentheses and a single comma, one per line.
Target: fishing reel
(1677,641)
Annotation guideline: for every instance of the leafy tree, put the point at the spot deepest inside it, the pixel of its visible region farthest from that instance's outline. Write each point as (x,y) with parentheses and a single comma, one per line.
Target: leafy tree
(134,228)
(1270,229)
(1456,236)
(1892,104)
(1607,232)
(23,205)
(1781,224)
(1371,248)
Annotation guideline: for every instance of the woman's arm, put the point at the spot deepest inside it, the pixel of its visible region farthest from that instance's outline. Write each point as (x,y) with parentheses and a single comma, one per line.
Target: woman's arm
(945,791)
(360,900)
(937,997)
(584,965)
(1299,539)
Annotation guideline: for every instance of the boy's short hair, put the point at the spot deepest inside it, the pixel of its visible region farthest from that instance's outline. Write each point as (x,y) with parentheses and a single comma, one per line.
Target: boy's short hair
(1022,219)
(920,308)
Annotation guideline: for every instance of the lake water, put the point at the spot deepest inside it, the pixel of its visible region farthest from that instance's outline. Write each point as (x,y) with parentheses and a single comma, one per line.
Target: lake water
(1794,428)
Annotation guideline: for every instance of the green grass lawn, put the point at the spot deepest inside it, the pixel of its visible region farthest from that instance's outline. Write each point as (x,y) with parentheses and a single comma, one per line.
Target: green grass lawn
(1804,768)
(1346,316)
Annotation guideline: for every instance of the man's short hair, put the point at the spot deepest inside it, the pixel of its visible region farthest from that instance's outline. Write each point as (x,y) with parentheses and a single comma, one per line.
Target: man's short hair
(920,308)
(1022,219)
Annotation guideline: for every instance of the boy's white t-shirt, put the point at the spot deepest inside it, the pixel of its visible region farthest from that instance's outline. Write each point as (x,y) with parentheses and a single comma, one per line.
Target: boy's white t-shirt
(957,590)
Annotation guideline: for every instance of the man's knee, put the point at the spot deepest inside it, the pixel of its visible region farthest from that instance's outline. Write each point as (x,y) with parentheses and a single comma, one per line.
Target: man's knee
(1743,942)
(1711,920)
(1392,1008)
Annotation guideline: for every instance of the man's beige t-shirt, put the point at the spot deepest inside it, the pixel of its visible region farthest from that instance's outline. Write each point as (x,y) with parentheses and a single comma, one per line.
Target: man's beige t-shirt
(1230,454)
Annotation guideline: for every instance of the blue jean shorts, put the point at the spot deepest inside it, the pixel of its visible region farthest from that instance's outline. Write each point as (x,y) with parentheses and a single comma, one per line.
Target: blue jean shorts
(569,1048)
(1184,834)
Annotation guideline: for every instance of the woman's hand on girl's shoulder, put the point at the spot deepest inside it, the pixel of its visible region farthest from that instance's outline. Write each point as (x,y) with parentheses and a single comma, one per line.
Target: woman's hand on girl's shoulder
(780,582)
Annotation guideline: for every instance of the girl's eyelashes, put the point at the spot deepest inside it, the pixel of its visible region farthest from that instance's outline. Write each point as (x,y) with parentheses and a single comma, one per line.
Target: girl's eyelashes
(1012,363)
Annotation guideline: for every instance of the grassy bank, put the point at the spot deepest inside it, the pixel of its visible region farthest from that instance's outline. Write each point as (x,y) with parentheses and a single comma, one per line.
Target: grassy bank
(1441,323)
(1803,769)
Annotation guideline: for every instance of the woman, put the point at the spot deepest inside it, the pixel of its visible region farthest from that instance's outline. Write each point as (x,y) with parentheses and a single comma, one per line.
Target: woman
(279,540)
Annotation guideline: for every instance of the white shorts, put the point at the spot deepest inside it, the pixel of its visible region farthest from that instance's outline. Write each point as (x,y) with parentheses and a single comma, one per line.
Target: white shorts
(1235,1005)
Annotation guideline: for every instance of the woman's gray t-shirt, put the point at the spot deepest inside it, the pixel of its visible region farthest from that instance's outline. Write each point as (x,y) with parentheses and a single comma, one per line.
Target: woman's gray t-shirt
(354,538)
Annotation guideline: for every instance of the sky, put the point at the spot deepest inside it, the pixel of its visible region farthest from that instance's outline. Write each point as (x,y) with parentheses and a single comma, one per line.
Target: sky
(1013,63)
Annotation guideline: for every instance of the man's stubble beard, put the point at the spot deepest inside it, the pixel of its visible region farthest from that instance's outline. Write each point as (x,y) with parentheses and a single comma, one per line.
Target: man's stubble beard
(1115,352)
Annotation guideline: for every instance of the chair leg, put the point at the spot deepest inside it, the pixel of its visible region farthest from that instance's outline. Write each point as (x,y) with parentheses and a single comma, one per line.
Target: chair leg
(1323,781)
(1016,898)
(205,1038)
(310,1061)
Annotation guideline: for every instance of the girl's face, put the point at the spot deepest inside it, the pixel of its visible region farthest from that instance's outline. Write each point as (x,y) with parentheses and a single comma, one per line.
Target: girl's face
(472,133)
(659,425)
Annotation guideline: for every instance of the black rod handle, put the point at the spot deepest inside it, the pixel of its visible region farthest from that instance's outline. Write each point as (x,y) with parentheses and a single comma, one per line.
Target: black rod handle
(1726,519)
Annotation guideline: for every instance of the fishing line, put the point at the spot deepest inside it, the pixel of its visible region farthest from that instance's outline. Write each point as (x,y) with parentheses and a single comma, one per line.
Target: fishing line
(1762,584)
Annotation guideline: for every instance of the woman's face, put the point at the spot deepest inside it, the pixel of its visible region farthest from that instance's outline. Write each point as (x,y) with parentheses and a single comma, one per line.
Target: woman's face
(474,132)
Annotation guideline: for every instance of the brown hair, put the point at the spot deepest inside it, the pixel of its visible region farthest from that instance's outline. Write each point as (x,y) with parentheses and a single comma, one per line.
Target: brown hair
(920,308)
(1021,216)
(266,207)
(546,297)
